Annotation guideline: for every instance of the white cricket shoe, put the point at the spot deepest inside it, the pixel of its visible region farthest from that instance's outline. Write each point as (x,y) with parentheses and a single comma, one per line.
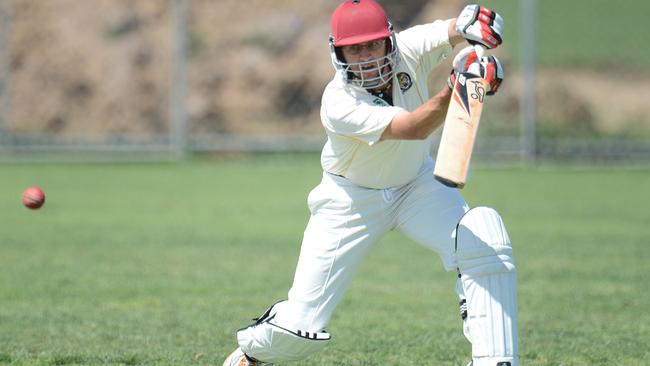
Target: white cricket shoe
(238,358)
(471,363)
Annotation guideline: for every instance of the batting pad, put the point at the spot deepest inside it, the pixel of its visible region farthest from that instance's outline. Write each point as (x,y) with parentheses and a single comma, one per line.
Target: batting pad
(269,342)
(488,279)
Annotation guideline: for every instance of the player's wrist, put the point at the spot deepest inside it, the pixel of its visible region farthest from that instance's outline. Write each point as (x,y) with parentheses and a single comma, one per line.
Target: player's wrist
(452,34)
(451,79)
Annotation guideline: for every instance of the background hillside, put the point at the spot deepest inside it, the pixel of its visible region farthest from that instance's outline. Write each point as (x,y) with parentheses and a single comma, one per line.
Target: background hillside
(102,68)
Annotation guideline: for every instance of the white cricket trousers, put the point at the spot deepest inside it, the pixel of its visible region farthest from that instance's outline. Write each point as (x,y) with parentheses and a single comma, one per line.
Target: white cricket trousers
(346,220)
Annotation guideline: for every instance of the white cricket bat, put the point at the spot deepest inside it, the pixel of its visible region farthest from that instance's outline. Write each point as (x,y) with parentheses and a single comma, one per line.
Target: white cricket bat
(459,130)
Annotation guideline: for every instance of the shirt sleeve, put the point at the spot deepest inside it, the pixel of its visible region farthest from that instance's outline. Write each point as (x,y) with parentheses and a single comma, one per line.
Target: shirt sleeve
(428,43)
(363,116)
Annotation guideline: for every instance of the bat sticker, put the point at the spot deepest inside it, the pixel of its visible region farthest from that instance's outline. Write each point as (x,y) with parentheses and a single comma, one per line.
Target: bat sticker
(460,93)
(479,91)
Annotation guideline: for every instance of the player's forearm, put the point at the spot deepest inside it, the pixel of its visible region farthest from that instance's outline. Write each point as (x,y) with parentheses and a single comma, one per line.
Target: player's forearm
(431,114)
(420,123)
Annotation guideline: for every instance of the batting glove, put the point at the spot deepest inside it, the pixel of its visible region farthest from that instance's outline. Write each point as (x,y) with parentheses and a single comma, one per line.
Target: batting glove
(488,67)
(461,63)
(492,71)
(480,25)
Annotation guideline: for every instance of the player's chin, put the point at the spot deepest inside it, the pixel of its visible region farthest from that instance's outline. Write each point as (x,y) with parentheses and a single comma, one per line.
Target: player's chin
(369,75)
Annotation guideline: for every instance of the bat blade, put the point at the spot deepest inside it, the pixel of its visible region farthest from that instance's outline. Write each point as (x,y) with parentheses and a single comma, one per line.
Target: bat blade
(459,130)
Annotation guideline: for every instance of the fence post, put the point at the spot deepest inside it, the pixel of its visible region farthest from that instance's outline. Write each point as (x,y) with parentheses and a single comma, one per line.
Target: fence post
(5,69)
(178,84)
(528,46)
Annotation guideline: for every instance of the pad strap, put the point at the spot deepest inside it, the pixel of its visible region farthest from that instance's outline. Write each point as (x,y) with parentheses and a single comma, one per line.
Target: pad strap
(267,341)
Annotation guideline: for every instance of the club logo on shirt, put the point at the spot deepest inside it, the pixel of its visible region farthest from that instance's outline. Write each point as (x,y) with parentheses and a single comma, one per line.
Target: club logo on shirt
(404,81)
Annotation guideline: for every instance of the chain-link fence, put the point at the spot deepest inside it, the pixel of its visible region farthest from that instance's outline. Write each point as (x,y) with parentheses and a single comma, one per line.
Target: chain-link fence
(139,77)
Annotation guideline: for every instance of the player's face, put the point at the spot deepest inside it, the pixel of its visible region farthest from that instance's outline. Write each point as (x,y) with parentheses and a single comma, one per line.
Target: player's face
(364,56)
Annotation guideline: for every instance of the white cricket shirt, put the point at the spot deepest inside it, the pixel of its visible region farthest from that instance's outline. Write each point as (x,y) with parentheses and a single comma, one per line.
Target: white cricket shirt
(354,119)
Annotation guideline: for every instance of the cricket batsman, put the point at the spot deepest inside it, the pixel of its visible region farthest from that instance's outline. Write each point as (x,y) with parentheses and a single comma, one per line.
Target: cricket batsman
(377,177)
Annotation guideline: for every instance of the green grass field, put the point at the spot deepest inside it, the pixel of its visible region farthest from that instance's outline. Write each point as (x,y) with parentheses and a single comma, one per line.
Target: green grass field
(161,263)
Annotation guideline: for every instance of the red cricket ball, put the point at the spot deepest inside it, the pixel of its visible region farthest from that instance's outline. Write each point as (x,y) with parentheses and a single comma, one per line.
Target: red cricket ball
(33,198)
